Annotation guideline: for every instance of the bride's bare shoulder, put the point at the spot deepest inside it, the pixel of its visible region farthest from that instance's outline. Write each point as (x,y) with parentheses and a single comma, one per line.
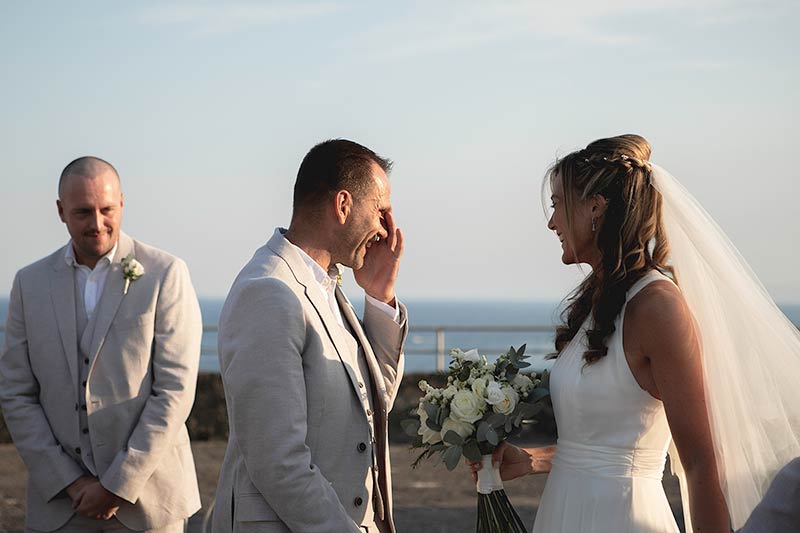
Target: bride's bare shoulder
(658,313)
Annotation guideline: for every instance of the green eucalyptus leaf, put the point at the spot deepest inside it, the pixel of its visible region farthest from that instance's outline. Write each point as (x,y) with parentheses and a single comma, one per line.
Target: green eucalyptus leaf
(545,380)
(452,456)
(451,437)
(496,420)
(433,425)
(472,451)
(480,433)
(492,437)
(537,394)
(430,409)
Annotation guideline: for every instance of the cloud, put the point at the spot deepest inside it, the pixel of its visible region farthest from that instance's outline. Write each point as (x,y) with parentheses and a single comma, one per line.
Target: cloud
(748,12)
(206,20)
(436,27)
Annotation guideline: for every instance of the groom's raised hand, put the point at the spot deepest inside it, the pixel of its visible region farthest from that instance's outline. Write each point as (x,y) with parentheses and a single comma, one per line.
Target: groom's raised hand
(381,263)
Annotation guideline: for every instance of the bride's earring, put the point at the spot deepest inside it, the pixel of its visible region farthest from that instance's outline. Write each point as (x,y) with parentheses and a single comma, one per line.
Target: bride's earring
(594,225)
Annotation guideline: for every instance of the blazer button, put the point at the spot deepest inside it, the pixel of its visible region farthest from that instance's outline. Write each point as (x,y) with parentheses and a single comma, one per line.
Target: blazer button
(78,451)
(83,407)
(362,447)
(85,431)
(86,360)
(358,501)
(369,412)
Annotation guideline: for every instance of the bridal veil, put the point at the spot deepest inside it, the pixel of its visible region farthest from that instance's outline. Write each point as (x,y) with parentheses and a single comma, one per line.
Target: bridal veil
(751,353)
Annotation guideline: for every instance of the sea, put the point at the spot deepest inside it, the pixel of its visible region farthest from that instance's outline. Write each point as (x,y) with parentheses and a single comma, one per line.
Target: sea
(491,327)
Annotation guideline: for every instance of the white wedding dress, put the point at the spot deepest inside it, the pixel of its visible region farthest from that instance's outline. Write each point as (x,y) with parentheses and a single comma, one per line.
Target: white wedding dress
(613,439)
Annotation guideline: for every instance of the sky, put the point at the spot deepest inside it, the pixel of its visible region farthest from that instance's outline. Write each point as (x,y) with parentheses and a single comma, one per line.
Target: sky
(207,108)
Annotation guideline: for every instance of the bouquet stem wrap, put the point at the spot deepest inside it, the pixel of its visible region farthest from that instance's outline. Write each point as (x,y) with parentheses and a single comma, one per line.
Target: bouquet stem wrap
(488,476)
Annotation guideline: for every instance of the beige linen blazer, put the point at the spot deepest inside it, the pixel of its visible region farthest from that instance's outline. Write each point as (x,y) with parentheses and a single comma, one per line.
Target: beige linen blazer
(300,451)
(144,358)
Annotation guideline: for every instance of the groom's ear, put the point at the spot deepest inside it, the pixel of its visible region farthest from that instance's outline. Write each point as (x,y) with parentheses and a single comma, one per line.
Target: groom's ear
(343,205)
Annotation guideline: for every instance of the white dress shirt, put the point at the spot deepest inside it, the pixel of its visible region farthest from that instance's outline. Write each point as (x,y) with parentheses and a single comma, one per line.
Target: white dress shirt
(327,281)
(90,281)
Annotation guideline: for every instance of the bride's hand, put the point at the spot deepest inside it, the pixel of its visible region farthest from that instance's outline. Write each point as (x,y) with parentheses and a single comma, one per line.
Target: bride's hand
(517,462)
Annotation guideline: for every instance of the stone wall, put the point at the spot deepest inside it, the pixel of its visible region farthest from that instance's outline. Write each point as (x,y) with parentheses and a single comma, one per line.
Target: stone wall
(209,420)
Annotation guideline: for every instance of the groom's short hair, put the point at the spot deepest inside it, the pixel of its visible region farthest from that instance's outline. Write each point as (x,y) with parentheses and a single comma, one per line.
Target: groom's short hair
(332,166)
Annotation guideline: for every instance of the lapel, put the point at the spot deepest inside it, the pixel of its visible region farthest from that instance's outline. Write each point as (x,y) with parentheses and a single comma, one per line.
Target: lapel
(112,296)
(347,351)
(355,325)
(62,293)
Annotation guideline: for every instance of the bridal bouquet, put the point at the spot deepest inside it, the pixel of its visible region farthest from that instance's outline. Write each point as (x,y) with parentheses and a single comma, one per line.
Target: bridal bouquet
(482,404)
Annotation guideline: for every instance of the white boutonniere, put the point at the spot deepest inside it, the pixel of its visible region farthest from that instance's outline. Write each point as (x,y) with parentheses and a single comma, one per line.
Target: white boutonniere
(339,271)
(132,270)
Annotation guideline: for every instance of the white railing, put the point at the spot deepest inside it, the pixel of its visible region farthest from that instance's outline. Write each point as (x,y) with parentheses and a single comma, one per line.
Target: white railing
(440,332)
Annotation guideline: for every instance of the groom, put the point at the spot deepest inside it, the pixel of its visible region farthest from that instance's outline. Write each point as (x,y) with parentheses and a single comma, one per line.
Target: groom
(308,386)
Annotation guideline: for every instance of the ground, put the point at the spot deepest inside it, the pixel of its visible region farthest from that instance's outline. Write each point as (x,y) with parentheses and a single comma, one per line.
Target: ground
(429,499)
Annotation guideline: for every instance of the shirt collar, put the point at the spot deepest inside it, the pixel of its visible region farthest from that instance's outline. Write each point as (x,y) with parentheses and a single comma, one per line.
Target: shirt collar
(324,279)
(69,256)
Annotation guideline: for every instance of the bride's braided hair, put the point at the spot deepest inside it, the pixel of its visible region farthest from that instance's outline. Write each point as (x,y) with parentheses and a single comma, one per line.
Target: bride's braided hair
(630,236)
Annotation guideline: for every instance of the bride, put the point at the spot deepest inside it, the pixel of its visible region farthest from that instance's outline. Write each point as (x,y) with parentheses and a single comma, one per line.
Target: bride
(670,345)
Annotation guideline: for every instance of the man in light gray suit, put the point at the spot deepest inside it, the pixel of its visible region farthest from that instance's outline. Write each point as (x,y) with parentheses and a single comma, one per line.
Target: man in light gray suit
(308,386)
(98,371)
(779,511)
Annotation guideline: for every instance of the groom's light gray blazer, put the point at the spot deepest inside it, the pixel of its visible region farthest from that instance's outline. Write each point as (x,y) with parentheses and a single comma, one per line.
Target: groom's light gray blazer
(299,454)
(142,373)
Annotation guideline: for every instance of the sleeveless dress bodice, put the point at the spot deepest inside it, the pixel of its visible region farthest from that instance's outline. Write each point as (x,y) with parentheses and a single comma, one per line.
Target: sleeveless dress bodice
(612,444)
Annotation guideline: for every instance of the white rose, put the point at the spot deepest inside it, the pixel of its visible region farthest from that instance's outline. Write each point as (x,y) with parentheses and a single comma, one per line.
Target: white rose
(522,382)
(429,436)
(471,356)
(479,386)
(466,406)
(503,399)
(494,394)
(461,428)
